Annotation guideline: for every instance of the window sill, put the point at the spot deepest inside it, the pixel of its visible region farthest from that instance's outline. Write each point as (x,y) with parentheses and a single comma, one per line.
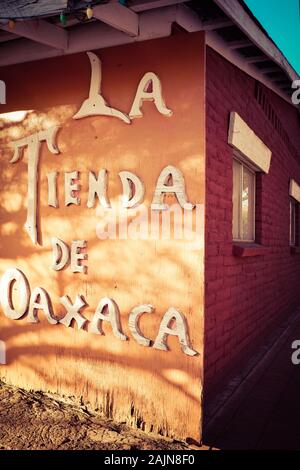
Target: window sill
(295,250)
(243,250)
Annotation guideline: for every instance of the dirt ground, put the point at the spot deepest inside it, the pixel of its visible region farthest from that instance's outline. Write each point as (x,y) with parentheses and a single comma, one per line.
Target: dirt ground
(36,420)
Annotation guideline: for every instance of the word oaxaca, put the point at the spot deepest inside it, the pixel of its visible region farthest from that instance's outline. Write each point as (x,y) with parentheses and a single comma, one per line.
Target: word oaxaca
(31,303)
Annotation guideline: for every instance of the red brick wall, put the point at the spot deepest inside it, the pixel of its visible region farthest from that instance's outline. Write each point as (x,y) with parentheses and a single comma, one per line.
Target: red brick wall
(245,297)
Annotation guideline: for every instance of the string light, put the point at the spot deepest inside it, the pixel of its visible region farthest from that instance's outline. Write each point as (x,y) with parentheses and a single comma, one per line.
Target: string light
(63,19)
(89,12)
(79,13)
(11,24)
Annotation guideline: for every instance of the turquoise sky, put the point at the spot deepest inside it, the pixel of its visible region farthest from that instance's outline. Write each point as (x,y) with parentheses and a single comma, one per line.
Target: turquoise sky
(281,19)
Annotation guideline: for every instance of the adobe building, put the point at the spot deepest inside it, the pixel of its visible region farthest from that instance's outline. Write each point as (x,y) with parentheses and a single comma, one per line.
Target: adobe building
(150,189)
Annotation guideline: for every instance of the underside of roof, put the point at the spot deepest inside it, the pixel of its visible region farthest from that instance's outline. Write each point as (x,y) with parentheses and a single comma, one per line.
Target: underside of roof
(37,31)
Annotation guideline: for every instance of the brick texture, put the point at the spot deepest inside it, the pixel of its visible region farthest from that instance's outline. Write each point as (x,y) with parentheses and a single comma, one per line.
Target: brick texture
(245,297)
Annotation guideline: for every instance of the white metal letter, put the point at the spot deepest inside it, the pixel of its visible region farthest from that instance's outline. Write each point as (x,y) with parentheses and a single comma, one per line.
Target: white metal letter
(177,187)
(134,317)
(149,79)
(14,276)
(180,330)
(113,317)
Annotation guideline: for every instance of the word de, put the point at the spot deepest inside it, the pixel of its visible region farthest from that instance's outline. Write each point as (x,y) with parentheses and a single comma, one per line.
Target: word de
(62,254)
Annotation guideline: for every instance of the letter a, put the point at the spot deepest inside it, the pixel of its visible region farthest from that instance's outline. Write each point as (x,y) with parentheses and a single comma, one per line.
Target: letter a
(154,95)
(180,331)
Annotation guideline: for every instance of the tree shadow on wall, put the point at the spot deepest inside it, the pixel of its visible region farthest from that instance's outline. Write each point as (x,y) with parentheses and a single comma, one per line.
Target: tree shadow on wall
(80,363)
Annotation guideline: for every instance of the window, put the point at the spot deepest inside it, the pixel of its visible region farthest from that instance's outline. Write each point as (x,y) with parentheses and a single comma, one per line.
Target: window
(243,226)
(293,209)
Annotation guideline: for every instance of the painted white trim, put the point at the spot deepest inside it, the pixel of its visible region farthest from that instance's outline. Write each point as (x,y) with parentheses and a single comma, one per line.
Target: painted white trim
(242,138)
(2,352)
(295,190)
(293,205)
(239,159)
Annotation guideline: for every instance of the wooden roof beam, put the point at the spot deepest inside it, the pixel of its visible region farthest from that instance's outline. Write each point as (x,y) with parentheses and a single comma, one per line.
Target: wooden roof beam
(191,22)
(218,23)
(239,44)
(143,5)
(255,59)
(239,16)
(42,32)
(4,36)
(92,35)
(271,69)
(118,16)
(214,40)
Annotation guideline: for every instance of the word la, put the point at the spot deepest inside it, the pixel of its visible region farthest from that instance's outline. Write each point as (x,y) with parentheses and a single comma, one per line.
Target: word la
(95,104)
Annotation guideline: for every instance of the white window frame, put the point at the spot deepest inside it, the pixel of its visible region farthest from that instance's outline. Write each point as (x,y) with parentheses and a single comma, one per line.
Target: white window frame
(252,170)
(293,209)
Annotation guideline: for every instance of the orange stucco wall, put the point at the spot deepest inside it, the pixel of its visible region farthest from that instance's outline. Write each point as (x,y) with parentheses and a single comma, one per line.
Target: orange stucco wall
(159,390)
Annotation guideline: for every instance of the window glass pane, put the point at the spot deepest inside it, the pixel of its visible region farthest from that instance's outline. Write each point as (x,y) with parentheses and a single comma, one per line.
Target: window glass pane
(236,200)
(248,204)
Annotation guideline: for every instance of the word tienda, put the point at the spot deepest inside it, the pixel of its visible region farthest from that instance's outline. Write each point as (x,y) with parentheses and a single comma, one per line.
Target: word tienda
(107,310)
(133,189)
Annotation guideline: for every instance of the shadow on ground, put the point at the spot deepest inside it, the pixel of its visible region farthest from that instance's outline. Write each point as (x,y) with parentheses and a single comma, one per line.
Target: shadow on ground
(36,420)
(265,414)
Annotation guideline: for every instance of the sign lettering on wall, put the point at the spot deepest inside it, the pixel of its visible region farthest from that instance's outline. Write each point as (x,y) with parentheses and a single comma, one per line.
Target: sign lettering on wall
(170,181)
(102,230)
